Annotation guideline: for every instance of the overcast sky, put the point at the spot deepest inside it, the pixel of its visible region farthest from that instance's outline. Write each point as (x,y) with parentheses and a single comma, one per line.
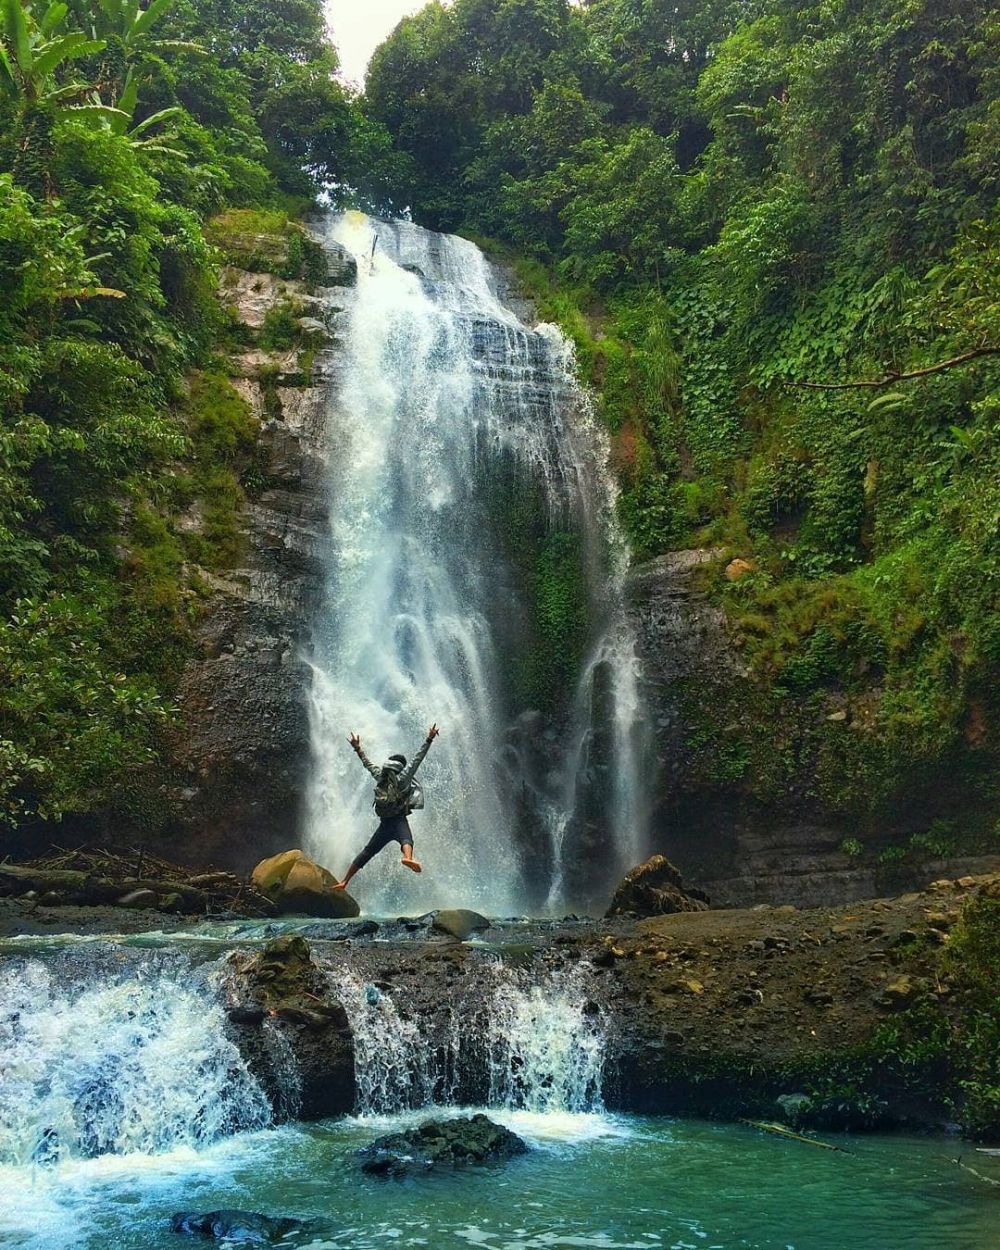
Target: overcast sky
(359,26)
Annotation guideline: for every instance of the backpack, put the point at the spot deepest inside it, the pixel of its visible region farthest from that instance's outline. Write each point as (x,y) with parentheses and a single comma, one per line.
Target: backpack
(392,800)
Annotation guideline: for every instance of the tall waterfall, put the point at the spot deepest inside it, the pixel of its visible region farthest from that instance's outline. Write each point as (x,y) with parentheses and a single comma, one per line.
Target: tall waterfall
(458,439)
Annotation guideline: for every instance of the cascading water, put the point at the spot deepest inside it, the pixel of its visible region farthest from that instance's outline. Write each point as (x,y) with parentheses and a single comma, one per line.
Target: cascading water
(128,1065)
(391,1068)
(517,1039)
(546,1046)
(470,500)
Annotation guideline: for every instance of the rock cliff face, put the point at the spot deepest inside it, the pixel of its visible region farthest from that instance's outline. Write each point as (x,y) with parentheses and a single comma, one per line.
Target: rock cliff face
(742,840)
(241,750)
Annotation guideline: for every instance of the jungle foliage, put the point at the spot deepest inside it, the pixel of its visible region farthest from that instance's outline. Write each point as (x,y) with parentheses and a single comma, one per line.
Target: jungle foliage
(730,206)
(123,130)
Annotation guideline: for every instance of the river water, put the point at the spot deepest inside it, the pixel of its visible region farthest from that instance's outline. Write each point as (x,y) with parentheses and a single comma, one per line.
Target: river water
(123,1100)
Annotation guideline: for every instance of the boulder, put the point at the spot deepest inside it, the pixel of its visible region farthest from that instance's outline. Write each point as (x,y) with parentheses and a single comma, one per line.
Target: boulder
(459,922)
(298,886)
(269,875)
(441,1144)
(281,983)
(792,1107)
(655,888)
(242,1228)
(899,994)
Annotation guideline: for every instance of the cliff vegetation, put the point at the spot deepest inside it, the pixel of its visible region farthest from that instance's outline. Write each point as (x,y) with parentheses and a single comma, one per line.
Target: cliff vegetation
(140,149)
(771,230)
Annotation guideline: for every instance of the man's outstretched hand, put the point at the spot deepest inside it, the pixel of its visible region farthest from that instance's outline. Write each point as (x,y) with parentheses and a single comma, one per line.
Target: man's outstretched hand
(433,732)
(355,741)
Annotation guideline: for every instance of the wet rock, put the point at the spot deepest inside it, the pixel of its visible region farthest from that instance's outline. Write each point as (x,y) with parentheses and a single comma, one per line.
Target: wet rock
(313,326)
(342,268)
(793,1106)
(139,898)
(655,888)
(282,984)
(440,1144)
(339,931)
(236,1227)
(459,922)
(246,1015)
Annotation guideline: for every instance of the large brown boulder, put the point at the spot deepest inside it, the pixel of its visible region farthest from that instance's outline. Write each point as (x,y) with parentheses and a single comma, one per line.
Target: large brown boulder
(297,886)
(655,888)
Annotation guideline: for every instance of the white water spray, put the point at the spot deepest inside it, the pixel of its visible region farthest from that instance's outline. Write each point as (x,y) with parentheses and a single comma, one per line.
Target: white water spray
(140,1065)
(449,414)
(546,1046)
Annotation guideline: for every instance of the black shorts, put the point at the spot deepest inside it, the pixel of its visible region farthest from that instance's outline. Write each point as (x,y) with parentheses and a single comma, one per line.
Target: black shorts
(391,829)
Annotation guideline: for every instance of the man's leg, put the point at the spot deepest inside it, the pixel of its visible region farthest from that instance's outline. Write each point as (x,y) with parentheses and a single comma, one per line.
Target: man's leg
(379,839)
(405,839)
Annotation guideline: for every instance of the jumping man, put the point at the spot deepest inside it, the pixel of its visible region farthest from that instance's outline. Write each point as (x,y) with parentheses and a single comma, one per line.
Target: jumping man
(396,795)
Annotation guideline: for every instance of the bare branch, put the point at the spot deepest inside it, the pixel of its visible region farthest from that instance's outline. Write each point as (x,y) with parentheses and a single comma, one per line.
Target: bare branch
(892,377)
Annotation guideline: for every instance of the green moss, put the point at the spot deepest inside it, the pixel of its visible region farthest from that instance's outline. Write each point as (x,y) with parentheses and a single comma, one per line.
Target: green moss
(267,241)
(561,603)
(280,331)
(224,443)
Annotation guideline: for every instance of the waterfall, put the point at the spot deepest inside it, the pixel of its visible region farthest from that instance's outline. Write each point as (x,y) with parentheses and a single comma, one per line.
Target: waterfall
(521,1043)
(138,1063)
(393,1067)
(465,468)
(546,1047)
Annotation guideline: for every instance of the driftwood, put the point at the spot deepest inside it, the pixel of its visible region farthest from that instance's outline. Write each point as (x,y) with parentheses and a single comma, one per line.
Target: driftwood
(978,1175)
(87,890)
(892,376)
(779,1130)
(87,877)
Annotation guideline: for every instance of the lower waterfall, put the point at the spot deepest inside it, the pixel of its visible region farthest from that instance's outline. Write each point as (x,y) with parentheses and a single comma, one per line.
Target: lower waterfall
(475,578)
(513,1039)
(126,1064)
(100,1060)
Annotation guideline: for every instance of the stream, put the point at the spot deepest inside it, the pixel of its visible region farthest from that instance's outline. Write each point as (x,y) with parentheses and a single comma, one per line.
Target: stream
(123,1098)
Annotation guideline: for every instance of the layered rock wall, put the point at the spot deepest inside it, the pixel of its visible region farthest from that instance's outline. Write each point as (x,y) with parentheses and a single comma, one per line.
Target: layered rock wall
(717,814)
(239,756)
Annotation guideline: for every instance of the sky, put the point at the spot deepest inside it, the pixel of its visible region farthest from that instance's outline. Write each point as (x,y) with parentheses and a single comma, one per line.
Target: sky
(359,26)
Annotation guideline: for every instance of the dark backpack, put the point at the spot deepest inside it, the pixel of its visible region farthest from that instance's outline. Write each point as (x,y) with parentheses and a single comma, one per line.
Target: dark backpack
(392,799)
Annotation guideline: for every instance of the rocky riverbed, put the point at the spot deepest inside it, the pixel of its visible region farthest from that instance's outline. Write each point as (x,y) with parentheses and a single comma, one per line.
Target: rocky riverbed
(858,1016)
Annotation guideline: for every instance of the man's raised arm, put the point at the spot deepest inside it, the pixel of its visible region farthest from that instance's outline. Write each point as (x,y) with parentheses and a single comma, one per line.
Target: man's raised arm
(355,742)
(407,774)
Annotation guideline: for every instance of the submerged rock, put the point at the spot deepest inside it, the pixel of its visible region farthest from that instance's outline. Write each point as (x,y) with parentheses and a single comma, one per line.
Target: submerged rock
(655,888)
(236,1227)
(439,1144)
(459,922)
